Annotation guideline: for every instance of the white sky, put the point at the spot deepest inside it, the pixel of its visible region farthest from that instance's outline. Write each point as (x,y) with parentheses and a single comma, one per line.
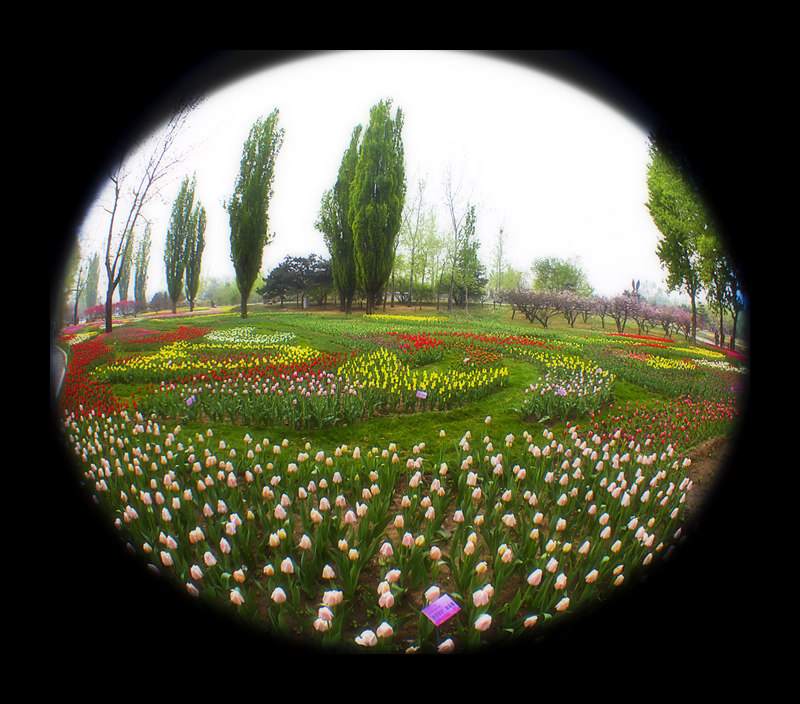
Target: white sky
(561,172)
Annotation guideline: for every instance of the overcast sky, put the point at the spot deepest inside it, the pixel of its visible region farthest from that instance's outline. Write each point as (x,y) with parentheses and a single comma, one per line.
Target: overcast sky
(561,172)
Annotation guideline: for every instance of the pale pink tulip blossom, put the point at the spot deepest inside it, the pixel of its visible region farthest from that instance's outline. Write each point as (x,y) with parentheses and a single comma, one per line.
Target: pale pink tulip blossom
(480,598)
(393,576)
(367,638)
(432,594)
(483,622)
(384,630)
(446,646)
(535,577)
(287,567)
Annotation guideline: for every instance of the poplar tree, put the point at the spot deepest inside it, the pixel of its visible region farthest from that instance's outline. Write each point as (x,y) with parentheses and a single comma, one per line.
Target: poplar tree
(92,281)
(377,197)
(178,235)
(127,261)
(142,264)
(336,228)
(195,244)
(248,207)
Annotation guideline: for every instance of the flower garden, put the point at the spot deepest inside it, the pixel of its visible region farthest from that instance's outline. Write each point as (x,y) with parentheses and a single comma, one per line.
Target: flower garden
(392,483)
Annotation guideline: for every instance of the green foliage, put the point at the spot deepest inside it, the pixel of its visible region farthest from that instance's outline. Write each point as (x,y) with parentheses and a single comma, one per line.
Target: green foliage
(336,228)
(377,197)
(195,244)
(92,279)
(142,264)
(678,211)
(177,237)
(556,275)
(249,205)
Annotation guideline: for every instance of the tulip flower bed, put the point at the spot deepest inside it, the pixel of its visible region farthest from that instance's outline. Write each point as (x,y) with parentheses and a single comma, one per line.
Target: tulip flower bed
(569,387)
(347,543)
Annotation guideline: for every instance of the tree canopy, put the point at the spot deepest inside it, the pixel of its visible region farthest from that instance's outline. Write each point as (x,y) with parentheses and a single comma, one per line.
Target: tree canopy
(377,197)
(248,207)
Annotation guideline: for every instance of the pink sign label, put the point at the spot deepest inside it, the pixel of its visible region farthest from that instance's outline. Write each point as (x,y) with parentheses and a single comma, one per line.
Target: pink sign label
(422,394)
(441,609)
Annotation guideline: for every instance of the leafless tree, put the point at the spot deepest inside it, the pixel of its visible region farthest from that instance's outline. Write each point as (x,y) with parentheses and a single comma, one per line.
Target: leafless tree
(134,181)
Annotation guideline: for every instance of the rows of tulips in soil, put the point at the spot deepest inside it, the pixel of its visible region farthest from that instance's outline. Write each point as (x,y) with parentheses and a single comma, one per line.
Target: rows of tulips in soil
(672,376)
(297,540)
(307,540)
(323,390)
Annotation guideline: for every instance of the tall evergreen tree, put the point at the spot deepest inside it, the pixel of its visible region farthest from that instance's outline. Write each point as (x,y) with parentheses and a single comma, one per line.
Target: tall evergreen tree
(92,281)
(125,266)
(249,205)
(177,236)
(195,244)
(142,264)
(377,197)
(336,228)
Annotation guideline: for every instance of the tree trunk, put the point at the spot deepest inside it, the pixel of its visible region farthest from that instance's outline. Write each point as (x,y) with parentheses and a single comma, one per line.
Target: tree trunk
(244,305)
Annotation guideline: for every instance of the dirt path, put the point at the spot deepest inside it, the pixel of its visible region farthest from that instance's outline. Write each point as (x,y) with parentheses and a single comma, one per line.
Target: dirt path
(707,460)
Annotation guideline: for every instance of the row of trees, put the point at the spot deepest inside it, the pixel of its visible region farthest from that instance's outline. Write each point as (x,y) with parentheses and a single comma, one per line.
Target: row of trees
(691,248)
(183,252)
(540,306)
(360,216)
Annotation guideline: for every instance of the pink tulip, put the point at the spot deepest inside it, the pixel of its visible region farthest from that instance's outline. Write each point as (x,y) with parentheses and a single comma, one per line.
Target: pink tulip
(236,597)
(480,598)
(386,600)
(278,595)
(367,638)
(432,594)
(384,630)
(483,622)
(328,573)
(535,577)
(446,646)
(287,567)
(563,605)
